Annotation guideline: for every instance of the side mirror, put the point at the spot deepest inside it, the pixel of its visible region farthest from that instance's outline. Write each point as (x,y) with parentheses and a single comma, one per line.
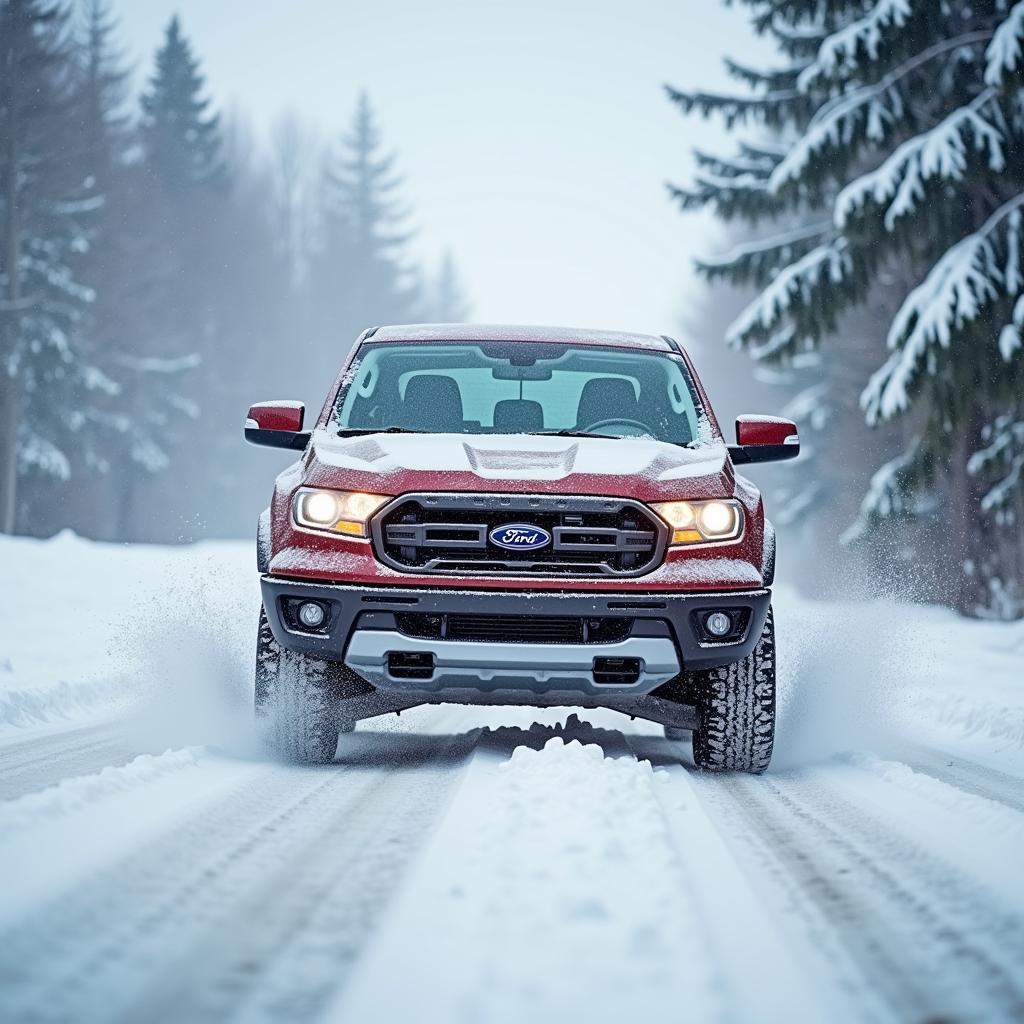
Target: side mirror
(764,439)
(277,425)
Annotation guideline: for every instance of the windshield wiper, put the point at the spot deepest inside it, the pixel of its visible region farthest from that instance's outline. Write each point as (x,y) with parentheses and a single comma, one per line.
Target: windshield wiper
(360,431)
(572,433)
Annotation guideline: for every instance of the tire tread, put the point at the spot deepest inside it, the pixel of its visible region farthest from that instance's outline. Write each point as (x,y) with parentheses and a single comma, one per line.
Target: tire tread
(736,707)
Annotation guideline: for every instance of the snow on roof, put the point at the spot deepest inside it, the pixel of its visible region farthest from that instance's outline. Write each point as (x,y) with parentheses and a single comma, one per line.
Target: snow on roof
(517,332)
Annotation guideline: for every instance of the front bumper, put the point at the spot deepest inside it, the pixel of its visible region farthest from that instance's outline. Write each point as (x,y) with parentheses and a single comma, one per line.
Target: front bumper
(362,630)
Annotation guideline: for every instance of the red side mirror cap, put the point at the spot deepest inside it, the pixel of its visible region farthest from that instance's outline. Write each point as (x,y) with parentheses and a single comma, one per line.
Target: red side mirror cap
(277,425)
(764,439)
(277,415)
(765,430)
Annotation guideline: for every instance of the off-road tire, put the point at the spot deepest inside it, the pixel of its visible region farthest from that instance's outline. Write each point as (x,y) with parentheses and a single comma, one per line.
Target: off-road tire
(298,700)
(736,710)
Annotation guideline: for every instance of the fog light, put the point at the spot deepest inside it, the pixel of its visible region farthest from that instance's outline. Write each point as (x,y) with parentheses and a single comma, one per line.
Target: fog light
(311,614)
(718,623)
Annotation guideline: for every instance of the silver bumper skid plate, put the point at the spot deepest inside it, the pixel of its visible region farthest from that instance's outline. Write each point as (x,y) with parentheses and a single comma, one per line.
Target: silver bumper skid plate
(497,666)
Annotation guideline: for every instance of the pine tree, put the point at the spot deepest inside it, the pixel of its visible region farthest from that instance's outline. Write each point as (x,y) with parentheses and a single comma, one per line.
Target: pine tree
(169,343)
(888,142)
(140,423)
(48,204)
(363,260)
(181,137)
(448,302)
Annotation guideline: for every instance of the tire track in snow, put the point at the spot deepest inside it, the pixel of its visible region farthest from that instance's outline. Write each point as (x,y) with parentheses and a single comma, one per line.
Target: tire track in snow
(929,940)
(294,847)
(966,775)
(27,766)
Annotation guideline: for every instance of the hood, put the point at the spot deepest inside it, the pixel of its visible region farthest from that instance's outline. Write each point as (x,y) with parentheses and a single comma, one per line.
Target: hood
(518,463)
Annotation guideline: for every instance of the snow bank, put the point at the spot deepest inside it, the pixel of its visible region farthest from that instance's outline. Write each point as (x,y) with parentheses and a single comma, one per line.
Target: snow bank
(864,675)
(93,629)
(989,815)
(75,794)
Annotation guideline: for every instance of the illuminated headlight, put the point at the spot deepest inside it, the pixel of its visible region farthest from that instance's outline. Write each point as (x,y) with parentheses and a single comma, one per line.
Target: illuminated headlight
(701,522)
(335,511)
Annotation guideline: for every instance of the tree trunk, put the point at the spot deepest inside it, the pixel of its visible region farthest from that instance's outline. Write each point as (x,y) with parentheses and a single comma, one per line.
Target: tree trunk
(9,382)
(9,386)
(969,545)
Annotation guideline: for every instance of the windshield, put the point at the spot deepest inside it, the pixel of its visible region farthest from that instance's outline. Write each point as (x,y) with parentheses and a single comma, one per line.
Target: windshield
(519,388)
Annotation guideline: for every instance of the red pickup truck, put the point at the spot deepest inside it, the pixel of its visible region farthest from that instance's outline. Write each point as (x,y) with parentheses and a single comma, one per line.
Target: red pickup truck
(517,515)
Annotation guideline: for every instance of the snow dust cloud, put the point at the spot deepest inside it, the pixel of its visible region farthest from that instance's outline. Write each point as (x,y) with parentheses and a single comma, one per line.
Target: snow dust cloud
(845,673)
(191,651)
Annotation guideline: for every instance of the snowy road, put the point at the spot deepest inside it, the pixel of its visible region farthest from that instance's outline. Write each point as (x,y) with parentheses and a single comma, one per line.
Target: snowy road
(498,864)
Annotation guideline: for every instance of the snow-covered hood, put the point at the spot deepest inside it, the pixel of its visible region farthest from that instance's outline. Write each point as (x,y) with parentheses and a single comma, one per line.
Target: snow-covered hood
(622,467)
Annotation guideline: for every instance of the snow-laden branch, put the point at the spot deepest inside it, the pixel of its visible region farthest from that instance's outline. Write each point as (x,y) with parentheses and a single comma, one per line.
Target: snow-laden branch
(37,454)
(779,342)
(1004,452)
(766,245)
(887,495)
(832,124)
(1011,337)
(840,49)
(1004,53)
(793,284)
(957,288)
(940,153)
(738,182)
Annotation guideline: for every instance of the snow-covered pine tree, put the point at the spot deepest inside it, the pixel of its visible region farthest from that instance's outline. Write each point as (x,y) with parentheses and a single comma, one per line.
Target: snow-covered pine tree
(891,133)
(48,204)
(135,426)
(179,319)
(362,263)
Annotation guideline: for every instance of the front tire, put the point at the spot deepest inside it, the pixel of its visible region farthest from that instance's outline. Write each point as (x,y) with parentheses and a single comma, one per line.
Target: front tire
(736,710)
(298,700)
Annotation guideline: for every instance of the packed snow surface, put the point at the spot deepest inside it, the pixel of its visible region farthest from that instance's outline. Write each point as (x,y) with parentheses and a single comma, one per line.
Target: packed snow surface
(492,864)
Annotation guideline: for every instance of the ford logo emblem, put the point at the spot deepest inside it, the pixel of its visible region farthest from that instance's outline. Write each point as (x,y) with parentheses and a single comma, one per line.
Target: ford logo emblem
(520,537)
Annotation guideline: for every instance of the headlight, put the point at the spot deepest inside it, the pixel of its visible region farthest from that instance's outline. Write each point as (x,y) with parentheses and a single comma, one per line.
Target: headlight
(335,511)
(699,522)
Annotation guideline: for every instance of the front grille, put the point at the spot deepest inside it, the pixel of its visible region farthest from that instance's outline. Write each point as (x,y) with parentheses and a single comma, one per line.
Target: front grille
(524,629)
(450,533)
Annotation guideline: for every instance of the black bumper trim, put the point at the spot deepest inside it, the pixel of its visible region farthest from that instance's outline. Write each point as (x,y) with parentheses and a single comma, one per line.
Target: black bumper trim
(369,607)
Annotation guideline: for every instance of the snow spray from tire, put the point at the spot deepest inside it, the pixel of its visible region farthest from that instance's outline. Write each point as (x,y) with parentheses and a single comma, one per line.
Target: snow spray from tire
(845,675)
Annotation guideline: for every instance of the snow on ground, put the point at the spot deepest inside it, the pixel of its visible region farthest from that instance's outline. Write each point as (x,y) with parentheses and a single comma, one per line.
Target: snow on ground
(92,630)
(492,864)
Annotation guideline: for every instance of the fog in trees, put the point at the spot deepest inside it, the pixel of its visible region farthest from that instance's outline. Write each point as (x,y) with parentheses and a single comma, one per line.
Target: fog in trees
(160,269)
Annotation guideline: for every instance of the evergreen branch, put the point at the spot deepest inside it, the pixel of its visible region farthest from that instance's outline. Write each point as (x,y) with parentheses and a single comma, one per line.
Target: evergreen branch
(1011,337)
(1004,52)
(840,48)
(773,245)
(825,128)
(746,163)
(938,153)
(778,79)
(794,284)
(1004,452)
(955,291)
(769,107)
(891,490)
(776,345)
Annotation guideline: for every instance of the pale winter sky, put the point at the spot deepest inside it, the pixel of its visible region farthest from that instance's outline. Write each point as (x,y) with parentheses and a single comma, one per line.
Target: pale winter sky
(534,135)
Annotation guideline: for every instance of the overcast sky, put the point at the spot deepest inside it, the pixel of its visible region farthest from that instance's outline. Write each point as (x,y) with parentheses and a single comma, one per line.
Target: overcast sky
(534,135)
